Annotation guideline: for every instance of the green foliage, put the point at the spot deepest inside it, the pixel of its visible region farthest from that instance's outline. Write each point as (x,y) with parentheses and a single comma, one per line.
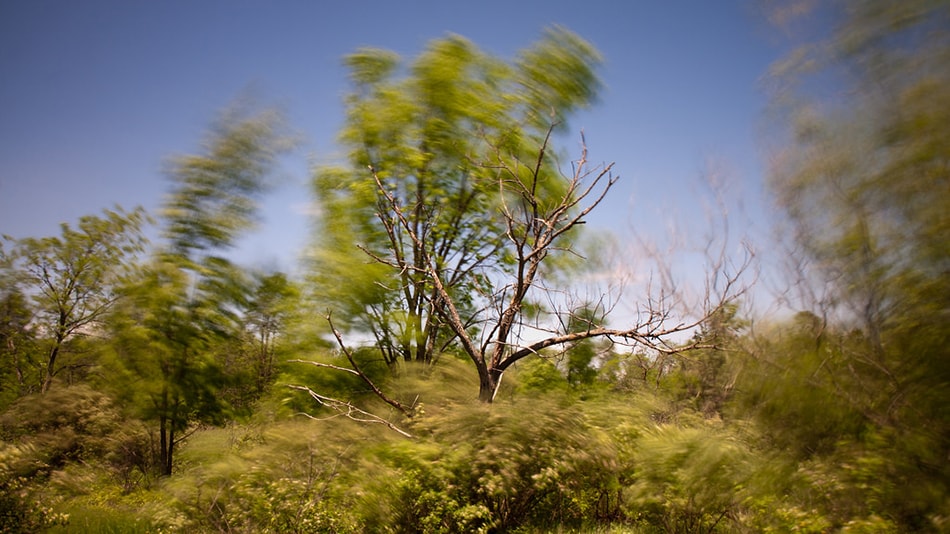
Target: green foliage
(71,281)
(19,358)
(539,375)
(790,389)
(863,181)
(183,304)
(163,342)
(480,469)
(436,139)
(703,379)
(691,479)
(546,462)
(65,425)
(93,501)
(558,75)
(52,442)
(577,359)
(20,510)
(282,479)
(214,194)
(333,383)
(269,313)
(266,330)
(104,519)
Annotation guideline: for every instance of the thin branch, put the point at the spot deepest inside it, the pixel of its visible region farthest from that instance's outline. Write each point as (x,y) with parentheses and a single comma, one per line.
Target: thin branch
(450,311)
(326,366)
(358,372)
(653,339)
(349,411)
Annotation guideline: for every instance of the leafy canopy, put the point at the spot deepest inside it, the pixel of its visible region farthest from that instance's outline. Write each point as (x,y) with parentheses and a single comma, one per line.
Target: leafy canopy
(437,134)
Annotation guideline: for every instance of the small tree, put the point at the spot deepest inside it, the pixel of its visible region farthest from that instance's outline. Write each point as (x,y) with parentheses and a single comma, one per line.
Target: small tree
(265,318)
(426,138)
(72,279)
(16,346)
(186,298)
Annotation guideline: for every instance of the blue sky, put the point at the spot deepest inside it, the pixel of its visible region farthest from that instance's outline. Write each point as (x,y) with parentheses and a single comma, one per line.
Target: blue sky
(95,96)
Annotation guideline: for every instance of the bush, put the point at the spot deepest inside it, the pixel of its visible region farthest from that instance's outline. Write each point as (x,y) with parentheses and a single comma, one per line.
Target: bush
(283,479)
(20,511)
(690,479)
(528,462)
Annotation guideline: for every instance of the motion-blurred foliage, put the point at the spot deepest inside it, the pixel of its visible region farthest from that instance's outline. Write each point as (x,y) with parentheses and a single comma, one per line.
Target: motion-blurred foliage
(832,419)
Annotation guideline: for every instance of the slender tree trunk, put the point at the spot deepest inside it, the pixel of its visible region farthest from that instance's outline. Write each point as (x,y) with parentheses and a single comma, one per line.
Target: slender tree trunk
(166,426)
(50,367)
(163,442)
(167,468)
(265,358)
(20,380)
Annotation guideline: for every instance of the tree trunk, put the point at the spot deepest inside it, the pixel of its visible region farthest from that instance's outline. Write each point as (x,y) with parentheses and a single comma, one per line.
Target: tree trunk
(50,367)
(163,442)
(167,467)
(489,380)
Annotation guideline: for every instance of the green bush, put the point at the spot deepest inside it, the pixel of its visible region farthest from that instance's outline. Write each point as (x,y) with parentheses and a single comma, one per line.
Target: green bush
(20,510)
(691,479)
(274,480)
(65,424)
(530,462)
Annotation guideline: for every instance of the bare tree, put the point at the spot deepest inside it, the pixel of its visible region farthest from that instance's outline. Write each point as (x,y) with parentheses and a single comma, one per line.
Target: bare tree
(498,334)
(466,215)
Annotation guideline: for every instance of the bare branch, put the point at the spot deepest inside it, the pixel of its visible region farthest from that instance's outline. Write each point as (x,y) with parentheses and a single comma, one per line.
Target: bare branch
(326,366)
(350,411)
(530,222)
(358,372)
(449,309)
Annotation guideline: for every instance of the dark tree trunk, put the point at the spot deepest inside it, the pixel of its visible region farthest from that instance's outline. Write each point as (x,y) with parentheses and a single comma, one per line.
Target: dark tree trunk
(163,443)
(167,466)
(488,382)
(51,365)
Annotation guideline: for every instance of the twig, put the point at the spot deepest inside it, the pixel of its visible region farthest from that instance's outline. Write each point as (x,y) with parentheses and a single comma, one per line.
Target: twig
(350,411)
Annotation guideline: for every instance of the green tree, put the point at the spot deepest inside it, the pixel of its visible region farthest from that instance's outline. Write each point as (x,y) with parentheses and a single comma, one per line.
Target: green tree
(16,346)
(435,140)
(581,355)
(266,316)
(704,378)
(71,280)
(456,200)
(863,179)
(184,302)
(163,344)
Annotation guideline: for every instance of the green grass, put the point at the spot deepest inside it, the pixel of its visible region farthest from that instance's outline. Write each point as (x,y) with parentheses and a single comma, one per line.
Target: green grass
(100,520)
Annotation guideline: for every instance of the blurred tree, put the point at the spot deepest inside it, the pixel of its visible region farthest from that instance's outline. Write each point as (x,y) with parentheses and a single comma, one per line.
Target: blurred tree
(705,377)
(164,338)
(433,139)
(266,315)
(458,202)
(251,360)
(71,280)
(581,355)
(864,180)
(185,301)
(16,347)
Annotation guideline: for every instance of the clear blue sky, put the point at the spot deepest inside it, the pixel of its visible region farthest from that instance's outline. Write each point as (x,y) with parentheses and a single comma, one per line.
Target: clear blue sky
(96,95)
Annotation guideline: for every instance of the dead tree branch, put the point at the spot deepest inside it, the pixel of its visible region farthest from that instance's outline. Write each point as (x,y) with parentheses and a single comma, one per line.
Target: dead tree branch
(359,372)
(348,410)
